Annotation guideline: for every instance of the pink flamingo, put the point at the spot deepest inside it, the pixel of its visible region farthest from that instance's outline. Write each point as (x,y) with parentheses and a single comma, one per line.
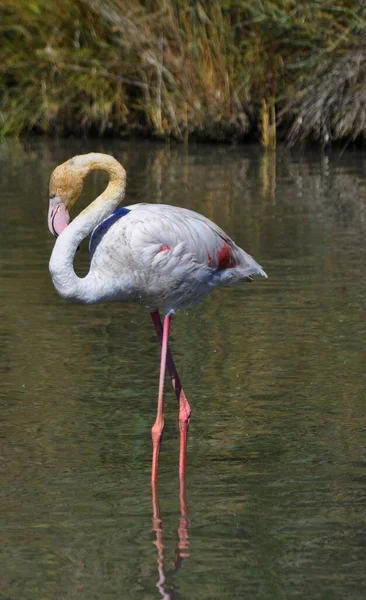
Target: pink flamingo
(153,254)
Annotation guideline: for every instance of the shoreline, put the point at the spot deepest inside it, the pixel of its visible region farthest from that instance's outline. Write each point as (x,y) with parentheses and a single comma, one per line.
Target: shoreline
(135,135)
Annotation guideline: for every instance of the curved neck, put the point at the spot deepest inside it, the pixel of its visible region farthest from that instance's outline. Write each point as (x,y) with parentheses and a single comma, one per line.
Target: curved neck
(65,280)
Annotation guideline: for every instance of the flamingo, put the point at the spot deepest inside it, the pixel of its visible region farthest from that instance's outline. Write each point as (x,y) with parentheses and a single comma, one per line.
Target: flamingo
(158,255)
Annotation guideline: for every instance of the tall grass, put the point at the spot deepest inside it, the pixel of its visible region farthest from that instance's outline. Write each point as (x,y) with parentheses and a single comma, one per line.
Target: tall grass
(207,69)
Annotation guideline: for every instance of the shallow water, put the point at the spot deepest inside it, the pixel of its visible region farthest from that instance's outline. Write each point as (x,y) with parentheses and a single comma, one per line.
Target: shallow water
(275,374)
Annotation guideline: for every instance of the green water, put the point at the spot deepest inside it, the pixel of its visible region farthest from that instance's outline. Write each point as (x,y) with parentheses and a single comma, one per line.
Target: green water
(275,374)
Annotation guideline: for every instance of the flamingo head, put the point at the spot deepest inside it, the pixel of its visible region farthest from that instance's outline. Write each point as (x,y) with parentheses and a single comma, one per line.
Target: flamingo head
(66,184)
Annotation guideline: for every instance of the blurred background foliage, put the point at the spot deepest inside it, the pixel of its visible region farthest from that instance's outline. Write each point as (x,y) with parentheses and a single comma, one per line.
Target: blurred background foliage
(199,69)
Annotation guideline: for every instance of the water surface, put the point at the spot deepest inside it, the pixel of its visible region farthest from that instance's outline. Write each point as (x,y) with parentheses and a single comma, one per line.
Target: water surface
(275,373)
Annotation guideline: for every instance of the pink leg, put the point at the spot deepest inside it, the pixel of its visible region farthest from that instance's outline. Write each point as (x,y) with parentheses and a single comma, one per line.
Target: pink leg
(184,408)
(157,429)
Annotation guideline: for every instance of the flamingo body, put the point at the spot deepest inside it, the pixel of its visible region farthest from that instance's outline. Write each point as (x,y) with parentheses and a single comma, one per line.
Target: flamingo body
(172,256)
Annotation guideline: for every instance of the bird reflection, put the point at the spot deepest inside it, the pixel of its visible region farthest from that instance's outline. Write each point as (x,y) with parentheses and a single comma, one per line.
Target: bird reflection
(182,550)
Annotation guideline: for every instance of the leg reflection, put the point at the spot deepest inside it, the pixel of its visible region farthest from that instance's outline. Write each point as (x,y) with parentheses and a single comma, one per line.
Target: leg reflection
(182,551)
(183,538)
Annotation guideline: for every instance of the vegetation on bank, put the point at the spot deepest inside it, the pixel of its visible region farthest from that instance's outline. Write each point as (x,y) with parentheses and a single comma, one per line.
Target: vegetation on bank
(201,69)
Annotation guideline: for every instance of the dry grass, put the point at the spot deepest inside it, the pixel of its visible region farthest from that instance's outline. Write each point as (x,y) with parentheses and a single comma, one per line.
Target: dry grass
(182,68)
(333,106)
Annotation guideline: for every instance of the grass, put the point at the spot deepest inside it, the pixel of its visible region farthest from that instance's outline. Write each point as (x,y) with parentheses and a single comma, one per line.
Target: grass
(213,70)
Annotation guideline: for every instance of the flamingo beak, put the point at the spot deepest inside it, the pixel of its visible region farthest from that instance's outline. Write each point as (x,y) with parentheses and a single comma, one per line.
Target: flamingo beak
(58,216)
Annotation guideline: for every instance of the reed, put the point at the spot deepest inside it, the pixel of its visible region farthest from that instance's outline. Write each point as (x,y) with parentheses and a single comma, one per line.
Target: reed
(268,125)
(184,69)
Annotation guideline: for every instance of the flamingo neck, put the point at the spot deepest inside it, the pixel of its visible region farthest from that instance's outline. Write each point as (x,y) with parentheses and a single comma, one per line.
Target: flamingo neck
(91,288)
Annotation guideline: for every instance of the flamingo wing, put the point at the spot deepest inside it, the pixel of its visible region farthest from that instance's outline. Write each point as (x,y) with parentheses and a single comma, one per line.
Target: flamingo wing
(151,228)
(176,255)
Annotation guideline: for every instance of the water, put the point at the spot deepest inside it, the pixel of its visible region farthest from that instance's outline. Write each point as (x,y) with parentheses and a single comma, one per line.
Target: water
(275,374)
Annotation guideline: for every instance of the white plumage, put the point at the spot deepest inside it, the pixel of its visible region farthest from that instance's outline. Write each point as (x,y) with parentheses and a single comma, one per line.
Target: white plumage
(169,255)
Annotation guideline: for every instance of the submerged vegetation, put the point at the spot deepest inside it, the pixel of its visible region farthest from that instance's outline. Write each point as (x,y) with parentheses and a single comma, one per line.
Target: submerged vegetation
(201,69)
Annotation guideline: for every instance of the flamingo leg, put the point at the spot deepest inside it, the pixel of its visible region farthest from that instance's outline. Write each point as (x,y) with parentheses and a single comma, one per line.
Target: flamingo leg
(157,429)
(184,407)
